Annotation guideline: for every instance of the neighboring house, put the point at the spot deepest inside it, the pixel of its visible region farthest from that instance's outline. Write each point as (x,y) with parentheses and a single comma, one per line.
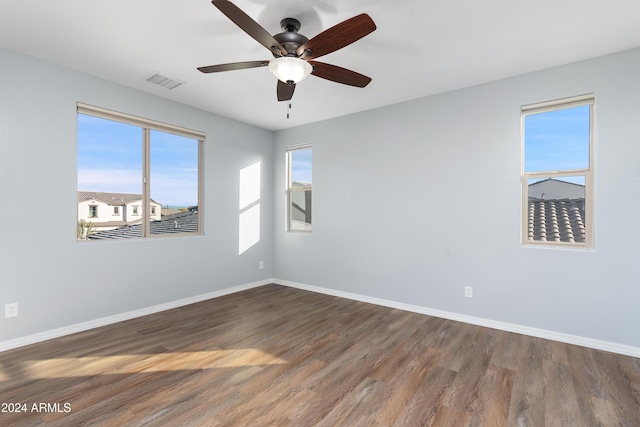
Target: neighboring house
(301,205)
(556,211)
(556,189)
(107,211)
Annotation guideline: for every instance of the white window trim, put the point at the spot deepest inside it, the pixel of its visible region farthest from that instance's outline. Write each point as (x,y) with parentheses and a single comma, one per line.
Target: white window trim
(577,101)
(147,125)
(103,113)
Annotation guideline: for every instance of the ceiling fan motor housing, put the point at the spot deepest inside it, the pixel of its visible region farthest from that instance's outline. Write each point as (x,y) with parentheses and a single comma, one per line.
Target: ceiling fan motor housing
(290,39)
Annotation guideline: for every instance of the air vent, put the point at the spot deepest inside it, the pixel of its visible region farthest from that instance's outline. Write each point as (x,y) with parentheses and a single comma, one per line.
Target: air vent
(164,81)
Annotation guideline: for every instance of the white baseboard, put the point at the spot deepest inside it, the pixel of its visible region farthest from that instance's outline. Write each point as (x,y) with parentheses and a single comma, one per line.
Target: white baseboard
(626,350)
(84,326)
(509,327)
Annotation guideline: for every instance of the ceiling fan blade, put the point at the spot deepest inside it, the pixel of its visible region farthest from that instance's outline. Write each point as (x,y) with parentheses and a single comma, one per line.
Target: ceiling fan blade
(339,74)
(249,26)
(337,37)
(232,66)
(285,90)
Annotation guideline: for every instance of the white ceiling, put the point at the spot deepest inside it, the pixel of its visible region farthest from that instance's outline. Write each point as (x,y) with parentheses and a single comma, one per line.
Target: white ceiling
(421,47)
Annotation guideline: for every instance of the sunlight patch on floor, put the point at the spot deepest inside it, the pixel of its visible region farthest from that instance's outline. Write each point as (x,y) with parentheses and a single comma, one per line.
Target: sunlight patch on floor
(141,363)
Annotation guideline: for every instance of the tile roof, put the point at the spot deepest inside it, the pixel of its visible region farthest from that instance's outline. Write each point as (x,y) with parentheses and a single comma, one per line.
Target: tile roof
(111,199)
(113,223)
(184,222)
(556,220)
(559,220)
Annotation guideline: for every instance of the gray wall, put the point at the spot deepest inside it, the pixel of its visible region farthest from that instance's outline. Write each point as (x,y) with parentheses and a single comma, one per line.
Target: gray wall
(59,282)
(412,167)
(415,167)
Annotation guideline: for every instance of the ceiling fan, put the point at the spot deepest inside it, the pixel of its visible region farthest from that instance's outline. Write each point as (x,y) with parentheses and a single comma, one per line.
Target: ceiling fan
(294,53)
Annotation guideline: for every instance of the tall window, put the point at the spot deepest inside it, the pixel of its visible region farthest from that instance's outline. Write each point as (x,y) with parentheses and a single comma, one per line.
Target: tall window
(150,170)
(299,188)
(558,172)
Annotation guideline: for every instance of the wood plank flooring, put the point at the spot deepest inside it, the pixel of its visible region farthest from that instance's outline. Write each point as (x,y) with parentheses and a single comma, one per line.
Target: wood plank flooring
(281,356)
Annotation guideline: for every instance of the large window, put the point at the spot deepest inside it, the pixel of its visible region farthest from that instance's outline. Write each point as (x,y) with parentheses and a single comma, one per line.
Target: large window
(558,172)
(299,189)
(149,174)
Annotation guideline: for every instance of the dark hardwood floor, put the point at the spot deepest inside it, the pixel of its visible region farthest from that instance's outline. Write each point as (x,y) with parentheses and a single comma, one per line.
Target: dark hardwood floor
(281,356)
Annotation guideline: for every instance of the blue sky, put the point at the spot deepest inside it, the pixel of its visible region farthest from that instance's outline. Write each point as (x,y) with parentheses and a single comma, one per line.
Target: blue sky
(557,140)
(110,155)
(174,169)
(301,165)
(110,160)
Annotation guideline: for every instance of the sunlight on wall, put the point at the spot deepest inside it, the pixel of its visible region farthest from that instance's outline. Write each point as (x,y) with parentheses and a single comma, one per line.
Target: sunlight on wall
(140,363)
(249,226)
(249,221)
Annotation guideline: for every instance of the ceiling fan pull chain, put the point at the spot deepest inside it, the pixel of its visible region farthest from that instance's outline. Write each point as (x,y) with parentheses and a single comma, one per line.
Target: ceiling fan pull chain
(288,109)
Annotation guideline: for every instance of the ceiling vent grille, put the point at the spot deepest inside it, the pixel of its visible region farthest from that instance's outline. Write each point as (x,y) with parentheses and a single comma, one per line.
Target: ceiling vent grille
(164,81)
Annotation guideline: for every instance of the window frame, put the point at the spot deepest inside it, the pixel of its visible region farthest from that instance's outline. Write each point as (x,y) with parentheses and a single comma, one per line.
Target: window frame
(290,190)
(147,125)
(587,173)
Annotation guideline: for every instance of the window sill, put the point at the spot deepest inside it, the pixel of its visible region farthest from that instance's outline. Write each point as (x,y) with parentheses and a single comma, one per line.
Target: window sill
(568,248)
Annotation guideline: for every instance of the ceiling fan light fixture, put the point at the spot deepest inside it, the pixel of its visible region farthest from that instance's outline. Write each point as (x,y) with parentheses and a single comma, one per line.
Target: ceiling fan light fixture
(289,68)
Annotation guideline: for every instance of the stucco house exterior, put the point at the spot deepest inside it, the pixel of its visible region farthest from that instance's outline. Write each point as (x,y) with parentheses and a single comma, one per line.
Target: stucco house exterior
(301,206)
(107,211)
(556,189)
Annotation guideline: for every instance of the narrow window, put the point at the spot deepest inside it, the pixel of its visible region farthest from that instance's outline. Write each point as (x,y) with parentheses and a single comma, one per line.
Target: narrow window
(141,165)
(557,172)
(299,189)
(93,211)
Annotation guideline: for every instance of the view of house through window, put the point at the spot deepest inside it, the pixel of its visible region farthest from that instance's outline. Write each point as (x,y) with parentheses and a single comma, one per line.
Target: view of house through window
(299,189)
(135,180)
(557,178)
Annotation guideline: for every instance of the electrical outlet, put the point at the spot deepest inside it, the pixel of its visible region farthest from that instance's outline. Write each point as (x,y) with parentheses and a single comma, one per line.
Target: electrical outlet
(10,310)
(261,265)
(468,292)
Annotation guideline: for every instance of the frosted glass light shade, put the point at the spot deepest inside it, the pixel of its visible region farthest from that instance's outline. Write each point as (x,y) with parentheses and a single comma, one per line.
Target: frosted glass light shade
(288,68)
